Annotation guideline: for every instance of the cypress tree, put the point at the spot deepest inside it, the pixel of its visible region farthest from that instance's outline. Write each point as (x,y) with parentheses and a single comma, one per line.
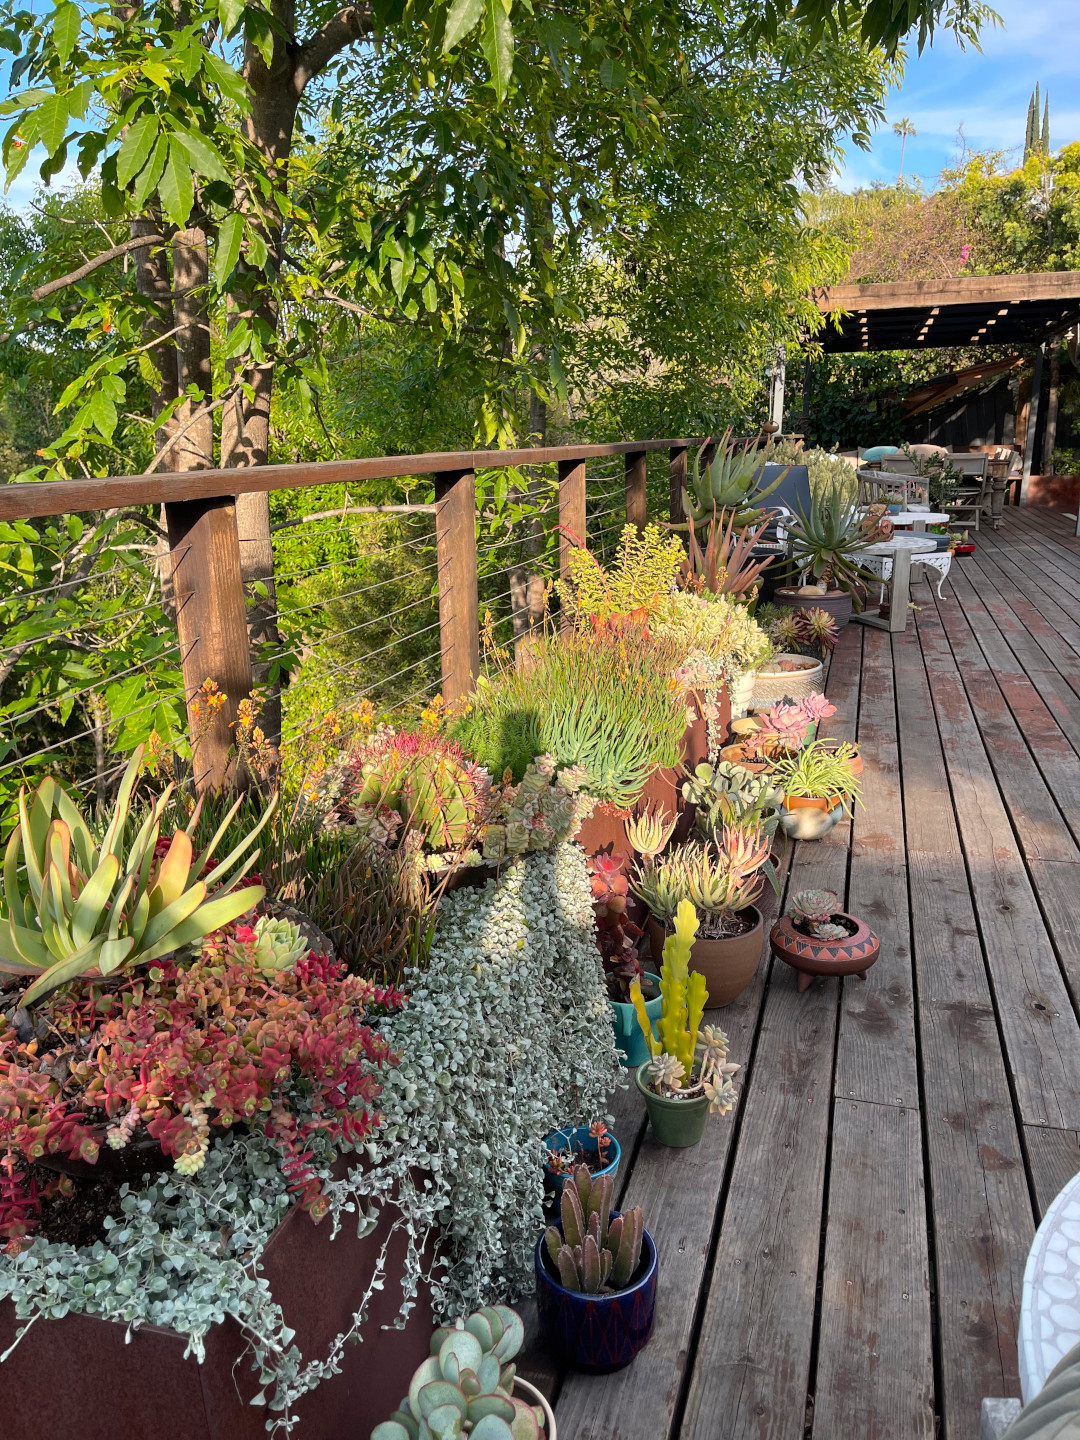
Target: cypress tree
(1029,132)
(1044,144)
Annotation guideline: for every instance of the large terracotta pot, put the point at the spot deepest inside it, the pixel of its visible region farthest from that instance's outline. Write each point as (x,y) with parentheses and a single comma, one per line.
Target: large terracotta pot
(661,793)
(810,956)
(836,603)
(728,965)
(98,1380)
(736,755)
(696,736)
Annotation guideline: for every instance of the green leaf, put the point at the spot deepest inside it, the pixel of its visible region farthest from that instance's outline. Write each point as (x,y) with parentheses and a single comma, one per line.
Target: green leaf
(175,187)
(230,233)
(51,122)
(135,151)
(66,25)
(462,17)
(230,12)
(151,172)
(203,157)
(497,43)
(228,81)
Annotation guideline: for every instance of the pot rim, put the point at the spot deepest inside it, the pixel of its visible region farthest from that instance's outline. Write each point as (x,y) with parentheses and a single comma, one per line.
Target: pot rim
(648,1246)
(569,1131)
(685,1106)
(537,1397)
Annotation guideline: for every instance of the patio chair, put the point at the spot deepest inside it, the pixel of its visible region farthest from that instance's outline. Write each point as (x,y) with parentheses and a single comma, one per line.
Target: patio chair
(878,488)
(972,499)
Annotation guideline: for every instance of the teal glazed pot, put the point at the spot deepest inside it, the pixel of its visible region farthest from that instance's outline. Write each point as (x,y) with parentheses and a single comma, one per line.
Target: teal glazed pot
(628,1037)
(577,1138)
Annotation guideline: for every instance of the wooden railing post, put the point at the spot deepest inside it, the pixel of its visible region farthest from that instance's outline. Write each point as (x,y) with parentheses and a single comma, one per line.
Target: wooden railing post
(459,605)
(211,622)
(571,511)
(676,483)
(636,497)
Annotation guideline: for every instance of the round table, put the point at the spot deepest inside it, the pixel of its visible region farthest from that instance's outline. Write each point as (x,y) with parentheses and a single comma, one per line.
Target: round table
(918,519)
(900,550)
(1050,1301)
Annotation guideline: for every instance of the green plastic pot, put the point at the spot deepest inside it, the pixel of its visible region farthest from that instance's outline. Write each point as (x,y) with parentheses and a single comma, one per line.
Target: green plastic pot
(629,1040)
(678,1123)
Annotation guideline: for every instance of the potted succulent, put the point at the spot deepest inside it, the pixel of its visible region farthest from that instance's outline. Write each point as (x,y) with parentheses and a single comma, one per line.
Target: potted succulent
(819,785)
(720,880)
(778,732)
(688,1075)
(818,938)
(616,939)
(595,1278)
(786,676)
(826,541)
(467,1385)
(812,632)
(593,1146)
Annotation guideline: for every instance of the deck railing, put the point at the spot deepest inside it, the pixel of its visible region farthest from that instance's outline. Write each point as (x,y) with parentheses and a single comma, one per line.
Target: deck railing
(202,558)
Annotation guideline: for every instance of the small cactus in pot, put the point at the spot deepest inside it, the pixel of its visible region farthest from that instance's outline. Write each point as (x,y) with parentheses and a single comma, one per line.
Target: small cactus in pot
(594,1254)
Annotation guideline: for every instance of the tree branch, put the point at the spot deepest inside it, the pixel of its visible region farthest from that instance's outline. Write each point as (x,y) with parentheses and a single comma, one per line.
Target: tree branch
(136,242)
(350,24)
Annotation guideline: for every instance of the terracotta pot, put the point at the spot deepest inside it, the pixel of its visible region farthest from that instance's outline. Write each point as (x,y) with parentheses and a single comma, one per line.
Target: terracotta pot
(604,829)
(660,793)
(153,1390)
(735,755)
(856,759)
(728,964)
(809,956)
(836,603)
(810,802)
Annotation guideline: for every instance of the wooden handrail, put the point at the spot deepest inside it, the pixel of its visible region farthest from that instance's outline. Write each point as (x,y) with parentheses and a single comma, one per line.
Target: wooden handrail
(66,497)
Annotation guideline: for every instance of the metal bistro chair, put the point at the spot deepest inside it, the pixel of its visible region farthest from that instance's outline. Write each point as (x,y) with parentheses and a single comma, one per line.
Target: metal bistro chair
(972,499)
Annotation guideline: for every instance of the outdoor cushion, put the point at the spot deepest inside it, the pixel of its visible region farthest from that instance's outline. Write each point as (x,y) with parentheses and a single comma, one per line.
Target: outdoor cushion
(1054,1414)
(922,451)
(878,452)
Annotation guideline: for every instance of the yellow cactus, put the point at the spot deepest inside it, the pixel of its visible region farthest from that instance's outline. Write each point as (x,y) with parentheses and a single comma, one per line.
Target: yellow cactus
(637,999)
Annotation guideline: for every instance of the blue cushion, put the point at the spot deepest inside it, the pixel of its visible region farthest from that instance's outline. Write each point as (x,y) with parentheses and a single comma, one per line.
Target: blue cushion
(878,452)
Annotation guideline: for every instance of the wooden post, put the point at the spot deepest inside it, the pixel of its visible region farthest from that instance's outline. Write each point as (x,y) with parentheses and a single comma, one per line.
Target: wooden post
(676,483)
(1032,425)
(211,621)
(459,605)
(636,497)
(571,511)
(1050,428)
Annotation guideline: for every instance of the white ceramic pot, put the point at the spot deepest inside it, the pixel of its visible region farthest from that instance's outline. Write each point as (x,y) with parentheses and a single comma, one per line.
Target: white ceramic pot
(741,693)
(533,1396)
(809,824)
(772,684)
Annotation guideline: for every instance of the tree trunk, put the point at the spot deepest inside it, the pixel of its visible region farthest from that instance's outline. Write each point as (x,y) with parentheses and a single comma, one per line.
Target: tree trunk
(195,449)
(1050,435)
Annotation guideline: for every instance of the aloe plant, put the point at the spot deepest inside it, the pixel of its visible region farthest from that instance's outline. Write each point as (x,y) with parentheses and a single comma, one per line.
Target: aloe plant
(732,481)
(73,908)
(827,540)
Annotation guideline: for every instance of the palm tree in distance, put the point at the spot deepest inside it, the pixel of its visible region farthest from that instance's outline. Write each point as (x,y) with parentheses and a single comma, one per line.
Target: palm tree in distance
(903,128)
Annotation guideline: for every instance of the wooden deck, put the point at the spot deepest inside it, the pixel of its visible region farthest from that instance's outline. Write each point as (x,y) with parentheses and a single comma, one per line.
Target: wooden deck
(841,1258)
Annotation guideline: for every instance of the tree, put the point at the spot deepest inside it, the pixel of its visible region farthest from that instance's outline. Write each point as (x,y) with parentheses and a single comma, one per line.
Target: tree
(904,129)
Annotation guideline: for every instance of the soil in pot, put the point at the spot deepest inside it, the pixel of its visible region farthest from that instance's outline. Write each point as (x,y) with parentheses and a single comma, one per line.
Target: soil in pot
(677,1122)
(727,953)
(75,1215)
(736,755)
(597,1333)
(836,603)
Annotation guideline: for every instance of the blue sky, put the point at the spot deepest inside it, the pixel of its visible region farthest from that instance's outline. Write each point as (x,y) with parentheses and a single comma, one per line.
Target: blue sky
(987,94)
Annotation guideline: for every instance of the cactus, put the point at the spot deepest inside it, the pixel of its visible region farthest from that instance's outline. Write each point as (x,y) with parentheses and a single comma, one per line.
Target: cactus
(732,482)
(594,1254)
(465,1386)
(428,781)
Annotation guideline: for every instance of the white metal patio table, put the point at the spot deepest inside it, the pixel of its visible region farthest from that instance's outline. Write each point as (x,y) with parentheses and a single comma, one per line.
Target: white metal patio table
(901,550)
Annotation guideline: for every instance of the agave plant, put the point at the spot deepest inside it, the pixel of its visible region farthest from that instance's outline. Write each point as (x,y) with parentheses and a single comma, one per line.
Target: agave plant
(73,908)
(827,540)
(730,482)
(726,566)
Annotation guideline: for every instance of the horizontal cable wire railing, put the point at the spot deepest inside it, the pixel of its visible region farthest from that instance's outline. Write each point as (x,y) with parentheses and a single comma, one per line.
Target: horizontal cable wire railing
(119,629)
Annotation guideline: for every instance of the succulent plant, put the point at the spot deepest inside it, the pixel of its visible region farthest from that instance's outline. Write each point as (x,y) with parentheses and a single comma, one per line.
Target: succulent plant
(731,795)
(594,1254)
(542,811)
(465,1385)
(718,879)
(77,909)
(428,781)
(815,908)
(732,481)
(616,936)
(278,944)
(649,832)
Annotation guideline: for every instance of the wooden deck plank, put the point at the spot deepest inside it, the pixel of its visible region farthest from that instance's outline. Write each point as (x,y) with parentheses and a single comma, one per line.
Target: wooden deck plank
(875,1373)
(1054,1158)
(980,1212)
(876,1048)
(1042,1038)
(751,1372)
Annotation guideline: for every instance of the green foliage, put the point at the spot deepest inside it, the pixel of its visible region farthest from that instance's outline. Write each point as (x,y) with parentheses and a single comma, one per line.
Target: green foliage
(606,702)
(827,538)
(734,480)
(540,812)
(78,909)
(820,771)
(641,575)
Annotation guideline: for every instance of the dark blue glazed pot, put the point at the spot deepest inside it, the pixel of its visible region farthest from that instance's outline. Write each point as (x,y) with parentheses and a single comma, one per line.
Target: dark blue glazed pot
(597,1333)
(577,1137)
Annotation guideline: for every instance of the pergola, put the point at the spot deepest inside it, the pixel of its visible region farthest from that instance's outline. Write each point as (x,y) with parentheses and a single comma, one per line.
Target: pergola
(965,310)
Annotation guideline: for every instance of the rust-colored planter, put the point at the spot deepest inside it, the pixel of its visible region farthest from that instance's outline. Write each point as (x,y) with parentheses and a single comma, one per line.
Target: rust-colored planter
(91,1378)
(811,802)
(810,956)
(696,736)
(604,829)
(728,965)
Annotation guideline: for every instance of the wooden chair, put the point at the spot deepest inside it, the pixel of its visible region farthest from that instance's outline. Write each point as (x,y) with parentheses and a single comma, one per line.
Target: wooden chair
(972,499)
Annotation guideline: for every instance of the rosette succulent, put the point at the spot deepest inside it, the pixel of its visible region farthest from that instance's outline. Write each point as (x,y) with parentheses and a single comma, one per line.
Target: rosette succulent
(815,909)
(277,944)
(465,1386)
